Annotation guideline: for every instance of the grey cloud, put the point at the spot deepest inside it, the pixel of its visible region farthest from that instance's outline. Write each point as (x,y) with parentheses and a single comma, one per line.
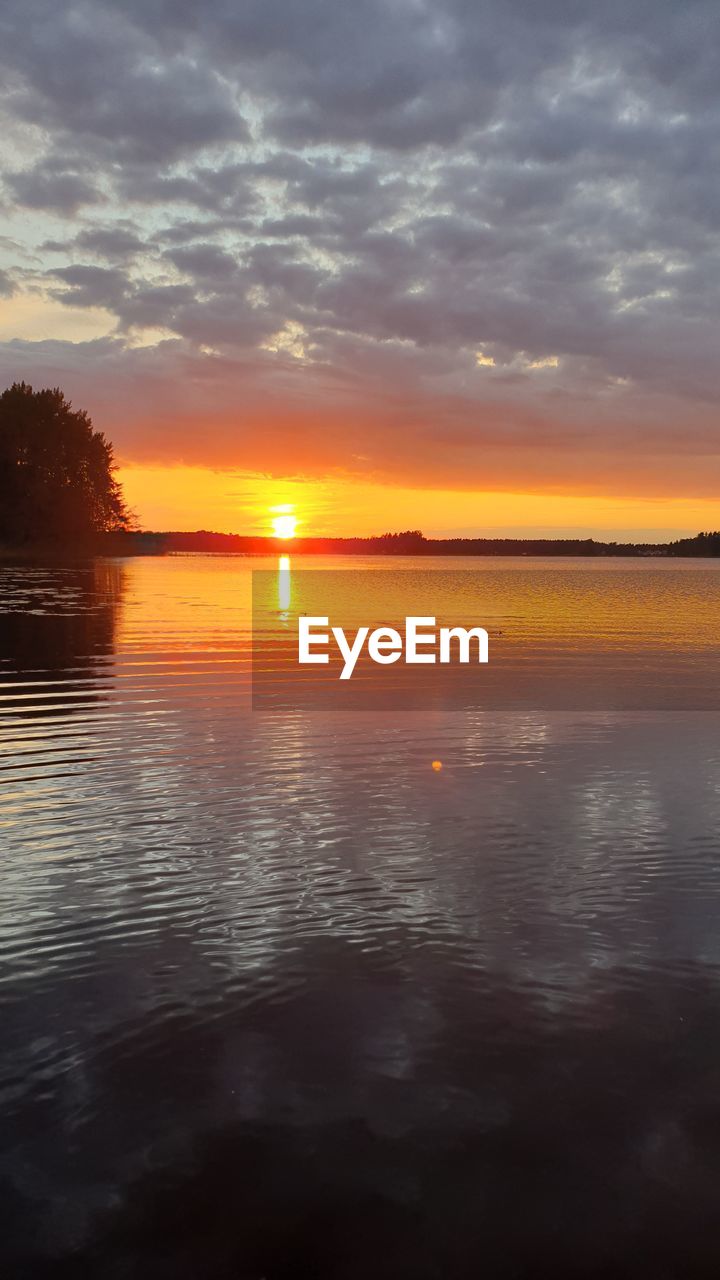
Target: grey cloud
(90,286)
(90,73)
(534,179)
(61,193)
(293,224)
(114,243)
(153,306)
(224,321)
(204,261)
(222,189)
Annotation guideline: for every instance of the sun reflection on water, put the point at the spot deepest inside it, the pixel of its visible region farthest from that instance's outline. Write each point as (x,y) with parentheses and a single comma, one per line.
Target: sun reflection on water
(284,585)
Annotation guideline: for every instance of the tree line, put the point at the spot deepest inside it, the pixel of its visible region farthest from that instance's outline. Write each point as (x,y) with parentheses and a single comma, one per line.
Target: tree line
(57,474)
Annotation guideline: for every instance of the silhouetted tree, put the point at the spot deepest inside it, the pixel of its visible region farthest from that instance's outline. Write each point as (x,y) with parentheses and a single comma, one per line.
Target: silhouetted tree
(57,477)
(409,542)
(703,544)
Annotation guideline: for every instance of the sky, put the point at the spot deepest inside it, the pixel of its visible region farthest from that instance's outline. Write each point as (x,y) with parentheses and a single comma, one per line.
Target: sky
(447,264)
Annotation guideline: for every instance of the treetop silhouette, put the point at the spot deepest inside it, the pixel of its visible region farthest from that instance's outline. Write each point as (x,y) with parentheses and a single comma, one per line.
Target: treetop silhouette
(57,478)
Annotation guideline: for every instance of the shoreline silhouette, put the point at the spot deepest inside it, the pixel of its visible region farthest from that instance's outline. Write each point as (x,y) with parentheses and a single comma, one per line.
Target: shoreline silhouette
(151,542)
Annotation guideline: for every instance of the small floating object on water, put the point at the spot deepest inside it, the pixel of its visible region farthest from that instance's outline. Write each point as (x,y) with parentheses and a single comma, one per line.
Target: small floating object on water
(437,765)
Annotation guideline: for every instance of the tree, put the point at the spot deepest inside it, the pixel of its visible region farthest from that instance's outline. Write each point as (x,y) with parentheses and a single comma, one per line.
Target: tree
(409,542)
(57,478)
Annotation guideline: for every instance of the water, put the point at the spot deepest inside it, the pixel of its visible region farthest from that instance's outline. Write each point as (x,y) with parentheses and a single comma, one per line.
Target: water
(282,1000)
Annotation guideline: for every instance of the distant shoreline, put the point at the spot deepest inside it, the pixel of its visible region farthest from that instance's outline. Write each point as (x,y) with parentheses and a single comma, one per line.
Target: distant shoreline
(389,545)
(151,543)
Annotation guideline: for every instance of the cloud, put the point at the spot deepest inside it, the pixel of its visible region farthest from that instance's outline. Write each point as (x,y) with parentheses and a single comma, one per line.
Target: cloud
(474,240)
(61,193)
(204,261)
(271,414)
(116,243)
(88,73)
(90,286)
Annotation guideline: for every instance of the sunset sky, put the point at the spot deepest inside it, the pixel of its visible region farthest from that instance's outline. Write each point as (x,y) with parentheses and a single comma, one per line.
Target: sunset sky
(447,264)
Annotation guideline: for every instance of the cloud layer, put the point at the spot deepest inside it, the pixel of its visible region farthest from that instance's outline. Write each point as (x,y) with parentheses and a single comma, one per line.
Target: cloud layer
(443,241)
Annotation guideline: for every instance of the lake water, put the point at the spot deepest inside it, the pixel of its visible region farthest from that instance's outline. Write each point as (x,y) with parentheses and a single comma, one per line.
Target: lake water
(282,1000)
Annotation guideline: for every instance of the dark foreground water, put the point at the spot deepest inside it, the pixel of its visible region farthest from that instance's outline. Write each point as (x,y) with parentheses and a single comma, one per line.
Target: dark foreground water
(280,1000)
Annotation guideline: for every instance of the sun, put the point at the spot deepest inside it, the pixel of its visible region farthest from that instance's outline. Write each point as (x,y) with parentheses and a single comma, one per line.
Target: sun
(284,526)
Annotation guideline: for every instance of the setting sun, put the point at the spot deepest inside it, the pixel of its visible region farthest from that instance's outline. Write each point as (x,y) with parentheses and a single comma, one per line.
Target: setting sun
(284,526)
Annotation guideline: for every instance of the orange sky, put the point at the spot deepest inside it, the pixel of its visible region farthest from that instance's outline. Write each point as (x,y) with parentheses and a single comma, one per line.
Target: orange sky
(240,502)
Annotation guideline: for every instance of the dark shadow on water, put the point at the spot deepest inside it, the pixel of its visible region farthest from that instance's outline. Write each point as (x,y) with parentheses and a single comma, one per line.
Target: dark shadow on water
(585,1143)
(57,627)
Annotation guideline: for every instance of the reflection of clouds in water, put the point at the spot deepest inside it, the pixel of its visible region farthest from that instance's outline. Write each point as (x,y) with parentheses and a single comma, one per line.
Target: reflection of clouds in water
(230,1124)
(210,915)
(637,812)
(268,826)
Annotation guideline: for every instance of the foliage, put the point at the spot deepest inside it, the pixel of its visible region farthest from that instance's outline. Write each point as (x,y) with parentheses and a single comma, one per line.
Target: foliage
(406,543)
(703,544)
(57,477)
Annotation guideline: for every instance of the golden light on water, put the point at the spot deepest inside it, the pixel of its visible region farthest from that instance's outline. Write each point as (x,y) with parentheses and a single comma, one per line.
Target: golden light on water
(284,585)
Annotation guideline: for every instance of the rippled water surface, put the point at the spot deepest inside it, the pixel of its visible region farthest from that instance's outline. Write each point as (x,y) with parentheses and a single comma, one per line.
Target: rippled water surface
(280,999)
